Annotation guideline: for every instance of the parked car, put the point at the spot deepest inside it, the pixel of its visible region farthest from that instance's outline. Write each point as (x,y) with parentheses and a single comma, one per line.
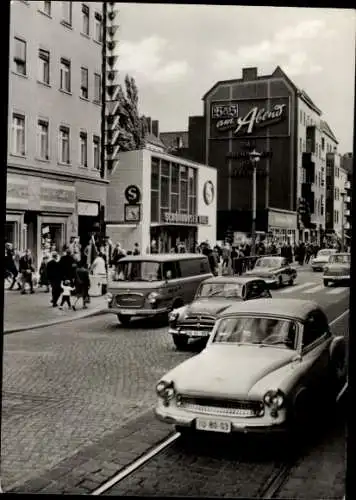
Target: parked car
(268,365)
(322,258)
(214,295)
(338,269)
(276,271)
(152,285)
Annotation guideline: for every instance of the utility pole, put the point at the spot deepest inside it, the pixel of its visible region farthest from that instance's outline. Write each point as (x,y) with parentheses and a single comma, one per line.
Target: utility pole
(254,158)
(342,221)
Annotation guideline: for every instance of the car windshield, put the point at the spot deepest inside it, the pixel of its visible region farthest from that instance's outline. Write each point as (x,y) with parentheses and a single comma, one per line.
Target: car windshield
(326,252)
(268,262)
(340,259)
(138,271)
(256,330)
(225,290)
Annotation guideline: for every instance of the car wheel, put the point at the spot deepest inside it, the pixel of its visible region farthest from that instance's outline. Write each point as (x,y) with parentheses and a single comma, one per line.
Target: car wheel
(291,281)
(326,282)
(314,269)
(180,342)
(280,282)
(124,319)
(339,368)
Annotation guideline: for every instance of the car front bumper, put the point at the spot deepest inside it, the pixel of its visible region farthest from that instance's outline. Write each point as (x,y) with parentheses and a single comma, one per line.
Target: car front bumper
(182,418)
(336,278)
(192,334)
(136,312)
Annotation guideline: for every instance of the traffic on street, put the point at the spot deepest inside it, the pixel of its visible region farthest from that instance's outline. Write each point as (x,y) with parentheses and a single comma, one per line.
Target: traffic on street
(70,389)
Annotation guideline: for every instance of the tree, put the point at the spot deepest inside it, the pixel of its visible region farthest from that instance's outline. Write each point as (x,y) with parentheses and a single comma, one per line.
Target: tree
(133,128)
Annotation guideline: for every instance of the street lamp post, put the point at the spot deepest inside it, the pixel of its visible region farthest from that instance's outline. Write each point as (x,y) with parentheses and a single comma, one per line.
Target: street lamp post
(342,221)
(254,158)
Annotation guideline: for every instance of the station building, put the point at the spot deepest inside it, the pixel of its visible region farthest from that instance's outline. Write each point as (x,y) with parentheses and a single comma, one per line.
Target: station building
(154,196)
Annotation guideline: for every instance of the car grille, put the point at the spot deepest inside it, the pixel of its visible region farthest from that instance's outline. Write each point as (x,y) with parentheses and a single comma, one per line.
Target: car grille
(130,300)
(219,407)
(344,272)
(198,322)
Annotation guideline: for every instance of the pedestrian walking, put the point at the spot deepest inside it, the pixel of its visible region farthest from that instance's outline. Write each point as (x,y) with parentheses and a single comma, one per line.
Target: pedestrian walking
(11,270)
(43,281)
(67,265)
(136,249)
(82,286)
(54,278)
(67,290)
(26,269)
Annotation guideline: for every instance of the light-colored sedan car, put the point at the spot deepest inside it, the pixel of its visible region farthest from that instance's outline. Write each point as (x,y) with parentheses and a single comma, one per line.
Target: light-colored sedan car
(337,269)
(268,365)
(322,258)
(275,271)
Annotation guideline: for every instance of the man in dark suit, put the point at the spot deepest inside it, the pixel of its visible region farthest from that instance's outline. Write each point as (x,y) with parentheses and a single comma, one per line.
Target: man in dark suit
(54,277)
(26,269)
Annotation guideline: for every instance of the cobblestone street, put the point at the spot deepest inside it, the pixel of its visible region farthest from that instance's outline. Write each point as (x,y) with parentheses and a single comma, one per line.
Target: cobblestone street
(67,386)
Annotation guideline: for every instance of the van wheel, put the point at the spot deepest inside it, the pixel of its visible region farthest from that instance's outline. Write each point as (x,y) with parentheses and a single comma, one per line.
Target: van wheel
(124,319)
(280,282)
(291,282)
(326,282)
(180,342)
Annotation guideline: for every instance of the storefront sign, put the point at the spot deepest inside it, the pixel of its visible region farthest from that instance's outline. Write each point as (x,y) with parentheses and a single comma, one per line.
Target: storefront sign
(280,220)
(245,169)
(88,208)
(254,118)
(132,194)
(176,218)
(54,196)
(208,192)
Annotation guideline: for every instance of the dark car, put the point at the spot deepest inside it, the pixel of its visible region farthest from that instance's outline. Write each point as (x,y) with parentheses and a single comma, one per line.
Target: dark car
(214,295)
(276,271)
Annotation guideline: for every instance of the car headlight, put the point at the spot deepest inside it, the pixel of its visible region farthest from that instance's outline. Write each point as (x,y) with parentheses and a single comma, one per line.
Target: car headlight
(109,297)
(165,390)
(274,399)
(173,316)
(152,297)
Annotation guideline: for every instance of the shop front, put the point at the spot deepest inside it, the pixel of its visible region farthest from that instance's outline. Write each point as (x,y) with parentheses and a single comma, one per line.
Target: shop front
(40,213)
(178,209)
(282,226)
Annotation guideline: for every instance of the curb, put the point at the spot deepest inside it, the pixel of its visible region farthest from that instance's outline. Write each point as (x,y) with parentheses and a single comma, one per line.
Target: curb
(93,312)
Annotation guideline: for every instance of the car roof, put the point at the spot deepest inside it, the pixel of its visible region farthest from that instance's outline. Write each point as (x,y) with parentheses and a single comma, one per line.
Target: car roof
(288,308)
(232,279)
(162,257)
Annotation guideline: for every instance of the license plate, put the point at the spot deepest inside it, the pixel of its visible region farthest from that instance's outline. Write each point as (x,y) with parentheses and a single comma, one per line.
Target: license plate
(194,334)
(213,425)
(127,311)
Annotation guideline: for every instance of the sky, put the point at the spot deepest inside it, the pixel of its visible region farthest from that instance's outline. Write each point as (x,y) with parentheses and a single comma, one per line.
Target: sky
(177,53)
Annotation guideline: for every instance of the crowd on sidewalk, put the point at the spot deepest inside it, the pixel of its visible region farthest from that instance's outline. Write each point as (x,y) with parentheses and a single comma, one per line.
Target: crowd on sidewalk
(67,273)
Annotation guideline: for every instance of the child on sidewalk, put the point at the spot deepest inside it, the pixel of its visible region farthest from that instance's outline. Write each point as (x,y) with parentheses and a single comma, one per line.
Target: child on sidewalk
(67,290)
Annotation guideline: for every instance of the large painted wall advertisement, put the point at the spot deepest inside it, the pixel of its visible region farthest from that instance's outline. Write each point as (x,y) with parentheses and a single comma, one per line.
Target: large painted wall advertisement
(250,118)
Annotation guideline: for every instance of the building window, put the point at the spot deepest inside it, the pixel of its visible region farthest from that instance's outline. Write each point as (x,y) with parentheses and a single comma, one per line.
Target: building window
(18,134)
(84,83)
(67,13)
(175,188)
(65,75)
(46,8)
(322,143)
(304,118)
(43,139)
(192,191)
(165,185)
(85,19)
(64,155)
(155,190)
(336,217)
(301,116)
(20,56)
(183,189)
(96,148)
(43,70)
(97,87)
(98,27)
(301,145)
(321,205)
(83,149)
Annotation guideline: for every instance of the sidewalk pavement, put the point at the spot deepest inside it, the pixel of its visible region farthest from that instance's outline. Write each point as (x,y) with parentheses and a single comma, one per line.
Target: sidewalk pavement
(27,312)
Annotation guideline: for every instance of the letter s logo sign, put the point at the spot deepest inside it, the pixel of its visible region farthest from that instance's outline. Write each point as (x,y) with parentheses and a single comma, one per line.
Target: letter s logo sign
(132,194)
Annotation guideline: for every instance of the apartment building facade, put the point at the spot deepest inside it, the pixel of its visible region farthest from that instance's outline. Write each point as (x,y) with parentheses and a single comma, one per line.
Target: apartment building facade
(54,187)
